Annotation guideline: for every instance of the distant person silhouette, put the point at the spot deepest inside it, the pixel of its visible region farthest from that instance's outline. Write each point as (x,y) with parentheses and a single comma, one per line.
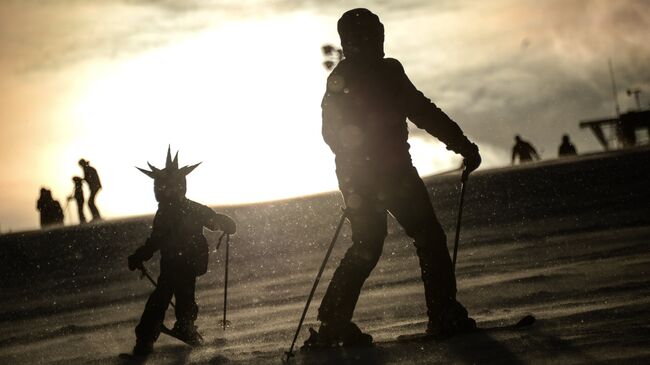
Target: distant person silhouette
(49,209)
(94,184)
(567,148)
(44,207)
(178,234)
(78,196)
(365,107)
(524,150)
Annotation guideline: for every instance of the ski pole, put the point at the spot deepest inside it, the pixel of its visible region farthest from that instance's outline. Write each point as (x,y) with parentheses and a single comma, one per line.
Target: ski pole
(313,288)
(225,284)
(463,183)
(219,242)
(145,273)
(65,211)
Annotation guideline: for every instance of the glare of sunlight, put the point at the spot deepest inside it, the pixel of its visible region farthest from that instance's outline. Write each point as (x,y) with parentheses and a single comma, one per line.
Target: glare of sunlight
(243,98)
(430,156)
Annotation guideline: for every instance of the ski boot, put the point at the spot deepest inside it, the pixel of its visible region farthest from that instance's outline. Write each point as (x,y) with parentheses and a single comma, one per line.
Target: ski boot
(452,321)
(187,332)
(141,350)
(334,335)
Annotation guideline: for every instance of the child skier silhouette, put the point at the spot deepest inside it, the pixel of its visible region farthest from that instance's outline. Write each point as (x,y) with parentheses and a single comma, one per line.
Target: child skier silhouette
(78,196)
(178,234)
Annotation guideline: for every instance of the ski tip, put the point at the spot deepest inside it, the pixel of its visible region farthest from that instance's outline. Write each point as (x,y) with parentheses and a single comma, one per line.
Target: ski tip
(526,321)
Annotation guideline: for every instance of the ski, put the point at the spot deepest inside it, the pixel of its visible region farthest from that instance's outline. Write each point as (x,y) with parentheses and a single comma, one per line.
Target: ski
(523,323)
(133,359)
(169,332)
(311,344)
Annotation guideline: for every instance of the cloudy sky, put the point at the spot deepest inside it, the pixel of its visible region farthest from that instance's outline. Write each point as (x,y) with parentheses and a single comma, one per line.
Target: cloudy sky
(237,85)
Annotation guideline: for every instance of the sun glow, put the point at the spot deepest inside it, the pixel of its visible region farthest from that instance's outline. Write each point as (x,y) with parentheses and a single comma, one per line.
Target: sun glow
(244,98)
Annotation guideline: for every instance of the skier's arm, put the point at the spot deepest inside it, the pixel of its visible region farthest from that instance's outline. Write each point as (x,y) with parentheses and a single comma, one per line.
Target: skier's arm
(217,221)
(331,110)
(327,130)
(146,251)
(426,115)
(534,152)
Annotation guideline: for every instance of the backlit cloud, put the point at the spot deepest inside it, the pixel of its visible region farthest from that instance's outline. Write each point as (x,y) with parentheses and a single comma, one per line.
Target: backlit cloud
(499,68)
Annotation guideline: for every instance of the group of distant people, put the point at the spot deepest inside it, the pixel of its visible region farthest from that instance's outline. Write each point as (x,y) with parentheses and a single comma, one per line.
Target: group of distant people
(525,151)
(50,209)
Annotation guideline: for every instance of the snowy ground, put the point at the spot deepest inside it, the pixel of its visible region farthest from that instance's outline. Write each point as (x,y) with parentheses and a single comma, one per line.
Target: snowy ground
(567,241)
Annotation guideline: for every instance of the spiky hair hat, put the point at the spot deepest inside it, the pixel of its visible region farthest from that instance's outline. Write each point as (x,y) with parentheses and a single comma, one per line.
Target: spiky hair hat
(171,171)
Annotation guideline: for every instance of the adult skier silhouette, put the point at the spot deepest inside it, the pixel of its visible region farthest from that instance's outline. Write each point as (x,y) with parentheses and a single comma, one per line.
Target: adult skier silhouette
(50,209)
(566,148)
(524,150)
(94,184)
(178,234)
(365,107)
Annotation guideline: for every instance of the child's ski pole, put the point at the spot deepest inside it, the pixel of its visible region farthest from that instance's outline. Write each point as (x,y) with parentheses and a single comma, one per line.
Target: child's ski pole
(225,323)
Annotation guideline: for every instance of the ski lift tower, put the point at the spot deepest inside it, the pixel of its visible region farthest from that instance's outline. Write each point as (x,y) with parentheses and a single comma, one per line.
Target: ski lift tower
(624,130)
(629,130)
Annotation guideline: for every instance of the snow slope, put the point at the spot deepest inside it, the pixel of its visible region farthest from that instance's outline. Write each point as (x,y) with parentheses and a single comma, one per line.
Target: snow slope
(565,240)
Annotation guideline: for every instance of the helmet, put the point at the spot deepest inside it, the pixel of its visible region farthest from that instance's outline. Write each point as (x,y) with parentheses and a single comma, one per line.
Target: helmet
(362,34)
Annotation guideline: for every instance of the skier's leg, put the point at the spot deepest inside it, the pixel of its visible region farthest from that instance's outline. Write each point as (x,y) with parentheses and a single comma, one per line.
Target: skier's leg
(186,308)
(80,211)
(368,222)
(412,208)
(148,330)
(91,204)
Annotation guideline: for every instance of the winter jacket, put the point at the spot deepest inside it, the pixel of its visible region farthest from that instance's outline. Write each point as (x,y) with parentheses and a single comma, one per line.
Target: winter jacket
(178,234)
(364,118)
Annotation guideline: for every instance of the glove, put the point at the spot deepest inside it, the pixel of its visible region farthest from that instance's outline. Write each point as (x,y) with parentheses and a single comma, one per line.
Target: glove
(135,262)
(228,225)
(471,157)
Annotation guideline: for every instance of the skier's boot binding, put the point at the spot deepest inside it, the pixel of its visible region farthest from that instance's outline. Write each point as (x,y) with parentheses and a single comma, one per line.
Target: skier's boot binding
(188,332)
(333,335)
(452,321)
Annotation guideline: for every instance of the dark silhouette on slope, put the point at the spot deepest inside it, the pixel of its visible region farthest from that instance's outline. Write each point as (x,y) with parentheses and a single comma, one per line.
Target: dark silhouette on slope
(94,185)
(365,107)
(49,209)
(178,234)
(78,196)
(566,148)
(524,151)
